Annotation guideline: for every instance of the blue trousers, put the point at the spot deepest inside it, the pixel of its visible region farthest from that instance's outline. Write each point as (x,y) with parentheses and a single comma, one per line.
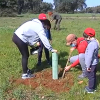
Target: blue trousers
(92,77)
(40,52)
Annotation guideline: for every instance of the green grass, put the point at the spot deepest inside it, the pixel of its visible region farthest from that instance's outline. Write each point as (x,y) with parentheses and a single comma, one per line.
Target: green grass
(10,59)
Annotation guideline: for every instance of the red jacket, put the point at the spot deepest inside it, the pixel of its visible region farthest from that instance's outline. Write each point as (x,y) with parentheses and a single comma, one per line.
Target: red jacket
(81,47)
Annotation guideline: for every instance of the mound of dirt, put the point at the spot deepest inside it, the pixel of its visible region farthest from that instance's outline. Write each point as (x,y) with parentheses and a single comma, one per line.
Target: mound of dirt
(44,78)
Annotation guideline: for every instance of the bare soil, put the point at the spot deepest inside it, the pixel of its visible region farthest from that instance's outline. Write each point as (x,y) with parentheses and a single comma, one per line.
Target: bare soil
(44,78)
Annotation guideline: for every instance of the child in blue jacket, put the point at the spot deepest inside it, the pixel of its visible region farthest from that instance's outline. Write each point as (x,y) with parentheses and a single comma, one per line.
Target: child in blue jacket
(48,35)
(91,59)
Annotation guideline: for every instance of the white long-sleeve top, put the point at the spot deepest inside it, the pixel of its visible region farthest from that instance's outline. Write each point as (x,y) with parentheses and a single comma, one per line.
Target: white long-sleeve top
(31,31)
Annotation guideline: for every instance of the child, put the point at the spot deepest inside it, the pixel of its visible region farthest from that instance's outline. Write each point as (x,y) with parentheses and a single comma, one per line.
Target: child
(48,35)
(80,44)
(91,59)
(57,17)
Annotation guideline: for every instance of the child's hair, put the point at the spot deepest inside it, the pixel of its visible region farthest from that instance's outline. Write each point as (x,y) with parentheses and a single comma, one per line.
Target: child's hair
(85,35)
(50,13)
(75,38)
(46,22)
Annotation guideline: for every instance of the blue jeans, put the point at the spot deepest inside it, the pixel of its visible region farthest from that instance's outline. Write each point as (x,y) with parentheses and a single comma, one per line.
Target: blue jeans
(92,77)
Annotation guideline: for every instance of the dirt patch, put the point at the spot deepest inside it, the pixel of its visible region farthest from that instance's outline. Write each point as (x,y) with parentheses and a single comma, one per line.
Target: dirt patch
(44,78)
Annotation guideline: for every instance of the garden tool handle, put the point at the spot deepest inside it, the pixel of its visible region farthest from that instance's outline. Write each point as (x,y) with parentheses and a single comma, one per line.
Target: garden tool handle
(66,65)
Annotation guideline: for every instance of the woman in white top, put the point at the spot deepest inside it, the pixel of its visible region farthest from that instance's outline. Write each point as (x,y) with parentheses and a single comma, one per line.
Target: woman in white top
(27,35)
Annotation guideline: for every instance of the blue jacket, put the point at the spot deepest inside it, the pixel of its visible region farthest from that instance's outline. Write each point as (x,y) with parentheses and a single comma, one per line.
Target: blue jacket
(91,54)
(48,34)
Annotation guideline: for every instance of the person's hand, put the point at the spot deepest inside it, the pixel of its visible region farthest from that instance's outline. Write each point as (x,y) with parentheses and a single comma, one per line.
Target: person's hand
(67,68)
(54,51)
(38,43)
(72,49)
(88,69)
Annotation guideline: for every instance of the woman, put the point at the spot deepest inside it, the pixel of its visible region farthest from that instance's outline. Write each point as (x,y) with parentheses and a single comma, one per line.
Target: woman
(27,35)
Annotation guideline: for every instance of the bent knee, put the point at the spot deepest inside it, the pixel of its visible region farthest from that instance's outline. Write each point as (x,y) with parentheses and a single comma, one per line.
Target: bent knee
(81,56)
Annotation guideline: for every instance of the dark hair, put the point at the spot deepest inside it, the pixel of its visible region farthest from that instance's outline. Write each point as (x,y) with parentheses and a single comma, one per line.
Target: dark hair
(75,38)
(46,23)
(85,35)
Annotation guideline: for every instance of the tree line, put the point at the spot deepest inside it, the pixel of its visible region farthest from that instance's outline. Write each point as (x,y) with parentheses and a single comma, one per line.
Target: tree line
(24,6)
(93,9)
(71,6)
(38,6)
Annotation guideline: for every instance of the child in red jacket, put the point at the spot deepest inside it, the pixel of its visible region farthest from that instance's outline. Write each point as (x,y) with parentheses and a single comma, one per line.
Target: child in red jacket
(80,44)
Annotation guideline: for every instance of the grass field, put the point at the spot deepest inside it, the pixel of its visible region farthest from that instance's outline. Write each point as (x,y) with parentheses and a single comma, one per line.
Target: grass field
(10,59)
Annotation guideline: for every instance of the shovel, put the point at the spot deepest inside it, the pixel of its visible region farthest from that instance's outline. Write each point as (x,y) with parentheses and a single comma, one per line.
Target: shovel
(66,65)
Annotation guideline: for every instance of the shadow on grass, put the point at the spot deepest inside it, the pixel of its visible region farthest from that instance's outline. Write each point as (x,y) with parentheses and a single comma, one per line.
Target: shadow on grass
(61,59)
(98,67)
(59,29)
(41,67)
(61,62)
(44,64)
(98,75)
(63,28)
(98,80)
(19,16)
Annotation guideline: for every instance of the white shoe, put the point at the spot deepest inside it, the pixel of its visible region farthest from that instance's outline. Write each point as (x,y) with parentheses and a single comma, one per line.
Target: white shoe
(26,76)
(35,52)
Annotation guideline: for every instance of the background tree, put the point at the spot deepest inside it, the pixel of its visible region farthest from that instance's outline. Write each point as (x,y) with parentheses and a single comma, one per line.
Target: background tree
(36,6)
(93,9)
(64,7)
(69,5)
(45,7)
(89,10)
(8,7)
(20,6)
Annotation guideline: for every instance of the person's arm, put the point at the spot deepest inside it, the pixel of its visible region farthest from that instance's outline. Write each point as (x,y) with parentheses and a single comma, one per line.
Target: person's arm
(89,54)
(49,17)
(49,34)
(74,64)
(67,68)
(72,49)
(45,41)
(53,17)
(50,38)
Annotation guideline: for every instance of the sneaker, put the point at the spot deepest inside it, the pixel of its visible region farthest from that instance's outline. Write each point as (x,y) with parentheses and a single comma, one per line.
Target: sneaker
(27,75)
(29,71)
(89,90)
(82,76)
(34,50)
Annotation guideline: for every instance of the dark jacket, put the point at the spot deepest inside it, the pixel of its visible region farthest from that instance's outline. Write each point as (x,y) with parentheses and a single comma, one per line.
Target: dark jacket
(48,34)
